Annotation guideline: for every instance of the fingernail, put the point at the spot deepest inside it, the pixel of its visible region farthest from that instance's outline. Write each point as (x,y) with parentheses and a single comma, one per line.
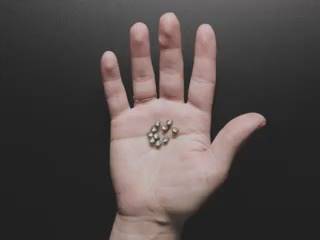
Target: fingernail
(262,124)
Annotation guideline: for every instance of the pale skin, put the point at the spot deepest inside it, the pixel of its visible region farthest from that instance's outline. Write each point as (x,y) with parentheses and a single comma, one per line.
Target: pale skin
(158,189)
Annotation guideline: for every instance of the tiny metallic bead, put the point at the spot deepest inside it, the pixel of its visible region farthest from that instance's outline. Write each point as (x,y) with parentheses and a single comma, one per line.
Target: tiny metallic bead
(158,143)
(150,134)
(169,122)
(154,129)
(156,136)
(157,124)
(175,130)
(165,128)
(165,140)
(152,140)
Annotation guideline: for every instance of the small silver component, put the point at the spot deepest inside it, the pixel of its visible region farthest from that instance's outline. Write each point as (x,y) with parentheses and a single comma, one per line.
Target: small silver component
(165,128)
(165,139)
(175,130)
(158,143)
(154,129)
(156,136)
(152,140)
(169,122)
(157,124)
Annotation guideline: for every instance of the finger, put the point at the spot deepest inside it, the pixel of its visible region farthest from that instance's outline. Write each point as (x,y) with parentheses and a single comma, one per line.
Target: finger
(203,77)
(144,86)
(230,138)
(113,88)
(171,61)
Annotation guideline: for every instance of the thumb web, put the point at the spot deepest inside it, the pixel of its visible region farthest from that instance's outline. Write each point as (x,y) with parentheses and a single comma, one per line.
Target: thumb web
(232,135)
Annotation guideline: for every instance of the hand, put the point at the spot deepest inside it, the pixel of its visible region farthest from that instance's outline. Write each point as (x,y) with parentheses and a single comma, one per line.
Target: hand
(165,186)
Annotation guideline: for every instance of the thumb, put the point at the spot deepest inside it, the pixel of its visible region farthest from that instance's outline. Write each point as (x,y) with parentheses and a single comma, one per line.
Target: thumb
(232,135)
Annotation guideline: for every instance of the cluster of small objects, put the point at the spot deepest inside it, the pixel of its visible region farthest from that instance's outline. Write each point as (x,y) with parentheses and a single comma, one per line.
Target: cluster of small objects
(154,136)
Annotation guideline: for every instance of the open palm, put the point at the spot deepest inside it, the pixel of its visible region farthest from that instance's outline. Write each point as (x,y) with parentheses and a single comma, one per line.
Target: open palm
(169,182)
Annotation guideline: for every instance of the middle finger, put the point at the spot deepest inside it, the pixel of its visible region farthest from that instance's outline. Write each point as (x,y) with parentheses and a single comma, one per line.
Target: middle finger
(171,61)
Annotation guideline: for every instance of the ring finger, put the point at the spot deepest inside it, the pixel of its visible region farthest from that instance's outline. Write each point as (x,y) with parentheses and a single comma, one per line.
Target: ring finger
(143,77)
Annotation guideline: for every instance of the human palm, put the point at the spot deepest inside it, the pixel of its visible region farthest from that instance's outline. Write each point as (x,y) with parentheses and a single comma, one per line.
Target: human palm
(164,179)
(170,182)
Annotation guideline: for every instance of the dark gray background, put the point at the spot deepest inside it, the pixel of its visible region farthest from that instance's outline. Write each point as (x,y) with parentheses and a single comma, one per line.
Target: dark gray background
(55,124)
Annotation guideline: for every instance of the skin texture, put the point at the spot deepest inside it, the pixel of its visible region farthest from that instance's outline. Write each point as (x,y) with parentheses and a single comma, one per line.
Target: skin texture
(157,189)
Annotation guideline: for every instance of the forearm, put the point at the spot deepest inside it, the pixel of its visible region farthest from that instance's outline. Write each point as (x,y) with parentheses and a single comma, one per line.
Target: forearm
(128,228)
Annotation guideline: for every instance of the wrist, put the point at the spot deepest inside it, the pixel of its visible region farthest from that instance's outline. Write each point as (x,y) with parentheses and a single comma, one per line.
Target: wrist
(143,228)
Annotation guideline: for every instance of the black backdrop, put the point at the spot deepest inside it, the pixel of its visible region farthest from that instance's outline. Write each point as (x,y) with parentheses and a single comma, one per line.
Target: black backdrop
(55,125)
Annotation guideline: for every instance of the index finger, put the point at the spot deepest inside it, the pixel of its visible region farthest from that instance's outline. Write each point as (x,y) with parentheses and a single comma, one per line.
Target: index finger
(203,78)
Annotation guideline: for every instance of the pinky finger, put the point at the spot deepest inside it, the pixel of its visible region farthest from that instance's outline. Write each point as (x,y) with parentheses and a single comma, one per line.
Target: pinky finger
(114,90)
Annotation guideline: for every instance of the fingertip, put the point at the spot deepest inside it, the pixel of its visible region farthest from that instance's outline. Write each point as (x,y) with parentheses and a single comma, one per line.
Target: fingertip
(206,29)
(263,122)
(139,32)
(259,118)
(168,20)
(109,61)
(107,54)
(169,31)
(206,41)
